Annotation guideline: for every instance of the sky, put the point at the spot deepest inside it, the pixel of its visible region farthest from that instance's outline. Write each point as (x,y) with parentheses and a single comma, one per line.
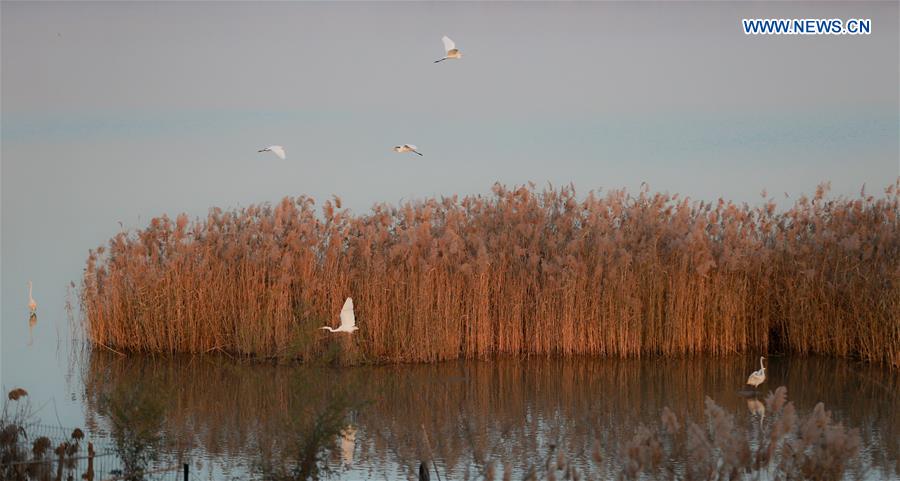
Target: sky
(120,111)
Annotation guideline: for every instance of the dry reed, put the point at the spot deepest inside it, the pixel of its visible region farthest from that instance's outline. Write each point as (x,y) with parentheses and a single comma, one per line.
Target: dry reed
(520,272)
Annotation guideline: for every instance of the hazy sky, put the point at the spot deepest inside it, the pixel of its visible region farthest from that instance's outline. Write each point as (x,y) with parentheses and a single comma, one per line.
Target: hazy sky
(122,111)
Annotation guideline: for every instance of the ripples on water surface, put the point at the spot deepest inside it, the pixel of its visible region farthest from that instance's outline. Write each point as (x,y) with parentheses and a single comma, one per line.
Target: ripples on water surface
(223,413)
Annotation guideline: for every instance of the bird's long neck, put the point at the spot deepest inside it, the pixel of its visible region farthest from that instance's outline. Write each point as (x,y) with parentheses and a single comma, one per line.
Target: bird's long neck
(29,291)
(761,364)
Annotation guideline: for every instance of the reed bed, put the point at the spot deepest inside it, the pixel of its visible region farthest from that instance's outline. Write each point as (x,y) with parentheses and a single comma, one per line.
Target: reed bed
(516,272)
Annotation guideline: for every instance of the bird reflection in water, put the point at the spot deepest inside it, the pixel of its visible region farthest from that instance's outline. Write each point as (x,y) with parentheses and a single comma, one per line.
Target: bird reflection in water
(348,445)
(32,321)
(757,408)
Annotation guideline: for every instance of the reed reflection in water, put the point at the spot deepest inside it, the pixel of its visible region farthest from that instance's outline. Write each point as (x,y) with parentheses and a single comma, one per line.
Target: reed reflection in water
(230,412)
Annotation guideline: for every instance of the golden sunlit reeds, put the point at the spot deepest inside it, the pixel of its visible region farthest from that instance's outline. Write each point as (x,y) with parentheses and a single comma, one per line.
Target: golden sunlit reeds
(519,272)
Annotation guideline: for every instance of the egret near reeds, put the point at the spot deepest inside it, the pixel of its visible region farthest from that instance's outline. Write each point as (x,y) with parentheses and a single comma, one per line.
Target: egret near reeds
(450,48)
(407,148)
(758,377)
(348,320)
(32,304)
(277,150)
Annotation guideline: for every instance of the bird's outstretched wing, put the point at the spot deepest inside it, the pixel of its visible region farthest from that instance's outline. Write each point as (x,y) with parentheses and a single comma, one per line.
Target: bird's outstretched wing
(411,147)
(275,149)
(448,44)
(347,318)
(279,151)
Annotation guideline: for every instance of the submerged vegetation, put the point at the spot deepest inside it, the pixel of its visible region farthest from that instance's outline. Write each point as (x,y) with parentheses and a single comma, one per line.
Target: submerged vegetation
(521,272)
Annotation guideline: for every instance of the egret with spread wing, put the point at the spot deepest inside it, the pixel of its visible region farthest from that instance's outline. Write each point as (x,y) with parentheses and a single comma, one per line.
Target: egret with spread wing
(452,51)
(277,150)
(406,148)
(348,320)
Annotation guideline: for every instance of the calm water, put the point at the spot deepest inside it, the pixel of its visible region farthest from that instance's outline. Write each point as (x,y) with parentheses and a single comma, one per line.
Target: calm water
(220,414)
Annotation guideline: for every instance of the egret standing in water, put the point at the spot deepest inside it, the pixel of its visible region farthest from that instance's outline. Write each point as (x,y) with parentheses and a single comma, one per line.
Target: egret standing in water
(277,150)
(450,47)
(758,377)
(348,320)
(406,148)
(32,304)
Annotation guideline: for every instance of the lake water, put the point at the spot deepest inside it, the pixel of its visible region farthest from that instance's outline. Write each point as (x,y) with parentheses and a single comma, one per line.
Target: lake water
(225,417)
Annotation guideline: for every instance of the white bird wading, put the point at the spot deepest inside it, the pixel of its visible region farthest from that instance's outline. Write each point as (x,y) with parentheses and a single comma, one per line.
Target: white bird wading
(758,377)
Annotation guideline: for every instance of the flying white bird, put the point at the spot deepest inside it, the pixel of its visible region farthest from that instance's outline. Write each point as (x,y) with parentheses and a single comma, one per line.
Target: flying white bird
(32,304)
(277,150)
(450,47)
(348,320)
(758,377)
(406,148)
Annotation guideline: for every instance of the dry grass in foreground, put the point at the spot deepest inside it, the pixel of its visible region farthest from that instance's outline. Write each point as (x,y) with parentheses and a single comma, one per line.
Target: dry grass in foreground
(519,272)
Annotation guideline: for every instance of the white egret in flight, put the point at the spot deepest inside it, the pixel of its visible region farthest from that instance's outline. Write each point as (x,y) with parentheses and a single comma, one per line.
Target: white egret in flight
(406,148)
(758,377)
(277,150)
(348,320)
(450,47)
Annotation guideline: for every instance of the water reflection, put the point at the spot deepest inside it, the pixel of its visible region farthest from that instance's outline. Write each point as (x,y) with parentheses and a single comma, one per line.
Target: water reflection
(32,321)
(757,408)
(134,411)
(348,445)
(505,410)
